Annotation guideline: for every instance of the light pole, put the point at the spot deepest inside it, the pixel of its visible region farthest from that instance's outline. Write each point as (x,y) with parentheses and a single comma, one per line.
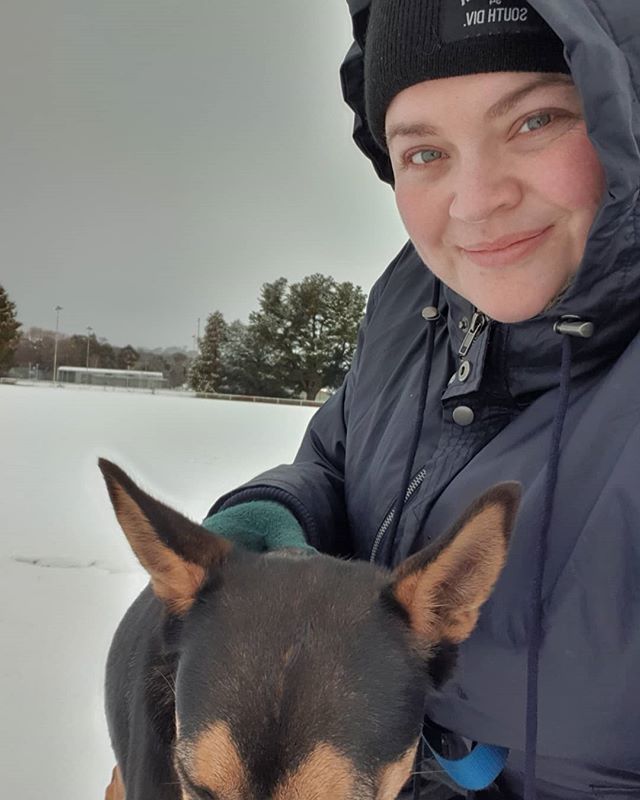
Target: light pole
(57,309)
(89,332)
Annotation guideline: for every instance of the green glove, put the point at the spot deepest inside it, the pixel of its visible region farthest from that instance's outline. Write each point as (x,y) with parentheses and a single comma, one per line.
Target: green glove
(258,525)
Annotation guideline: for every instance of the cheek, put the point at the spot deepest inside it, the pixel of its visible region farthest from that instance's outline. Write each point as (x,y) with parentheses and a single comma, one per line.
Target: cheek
(424,212)
(573,178)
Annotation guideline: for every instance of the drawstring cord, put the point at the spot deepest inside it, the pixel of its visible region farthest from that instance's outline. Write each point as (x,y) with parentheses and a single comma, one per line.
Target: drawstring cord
(417,428)
(418,768)
(567,327)
(535,637)
(406,476)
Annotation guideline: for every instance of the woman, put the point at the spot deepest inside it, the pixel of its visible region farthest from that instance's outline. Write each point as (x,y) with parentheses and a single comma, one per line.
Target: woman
(500,344)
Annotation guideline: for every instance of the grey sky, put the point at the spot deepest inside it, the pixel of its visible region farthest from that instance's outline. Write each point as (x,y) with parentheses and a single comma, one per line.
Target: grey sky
(161,159)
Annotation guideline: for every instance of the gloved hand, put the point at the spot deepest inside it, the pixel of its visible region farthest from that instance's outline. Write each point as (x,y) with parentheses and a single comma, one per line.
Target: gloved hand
(258,525)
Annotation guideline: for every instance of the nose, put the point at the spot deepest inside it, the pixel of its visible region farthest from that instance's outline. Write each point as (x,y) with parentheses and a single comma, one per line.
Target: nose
(483,185)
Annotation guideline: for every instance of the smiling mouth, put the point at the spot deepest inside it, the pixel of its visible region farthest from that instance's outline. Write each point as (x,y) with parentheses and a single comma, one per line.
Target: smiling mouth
(503,242)
(506,250)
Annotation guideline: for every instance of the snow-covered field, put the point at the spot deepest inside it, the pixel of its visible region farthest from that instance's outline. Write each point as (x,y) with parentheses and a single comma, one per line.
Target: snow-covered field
(66,571)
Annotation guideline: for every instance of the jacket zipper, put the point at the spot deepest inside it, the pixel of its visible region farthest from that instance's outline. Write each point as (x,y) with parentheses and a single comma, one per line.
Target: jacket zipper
(417,479)
(476,326)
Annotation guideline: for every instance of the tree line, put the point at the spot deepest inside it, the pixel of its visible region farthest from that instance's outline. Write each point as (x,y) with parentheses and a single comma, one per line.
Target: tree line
(35,348)
(301,339)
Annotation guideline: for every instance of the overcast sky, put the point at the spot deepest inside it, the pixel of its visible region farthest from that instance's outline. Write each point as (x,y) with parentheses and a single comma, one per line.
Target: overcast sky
(161,159)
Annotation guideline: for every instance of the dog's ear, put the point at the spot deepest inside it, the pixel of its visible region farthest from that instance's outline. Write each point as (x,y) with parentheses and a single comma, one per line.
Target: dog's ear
(176,552)
(442,587)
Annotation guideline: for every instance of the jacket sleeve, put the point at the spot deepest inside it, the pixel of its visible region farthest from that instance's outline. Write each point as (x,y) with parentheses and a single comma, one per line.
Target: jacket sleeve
(312,487)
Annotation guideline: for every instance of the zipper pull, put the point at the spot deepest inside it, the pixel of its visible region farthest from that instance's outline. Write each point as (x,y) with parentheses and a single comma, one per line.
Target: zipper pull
(478,321)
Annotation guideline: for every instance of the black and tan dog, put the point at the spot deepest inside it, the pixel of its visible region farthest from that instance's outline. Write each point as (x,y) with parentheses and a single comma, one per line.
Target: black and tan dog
(284,676)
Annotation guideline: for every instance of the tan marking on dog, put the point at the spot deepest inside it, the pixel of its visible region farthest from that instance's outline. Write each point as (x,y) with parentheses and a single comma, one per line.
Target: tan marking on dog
(394,776)
(215,763)
(115,790)
(174,580)
(443,598)
(281,676)
(325,774)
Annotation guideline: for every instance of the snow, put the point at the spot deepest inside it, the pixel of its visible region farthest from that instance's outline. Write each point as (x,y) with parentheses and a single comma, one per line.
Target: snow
(67,571)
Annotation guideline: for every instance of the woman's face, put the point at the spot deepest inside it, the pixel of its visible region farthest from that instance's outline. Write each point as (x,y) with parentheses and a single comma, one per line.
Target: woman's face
(497,184)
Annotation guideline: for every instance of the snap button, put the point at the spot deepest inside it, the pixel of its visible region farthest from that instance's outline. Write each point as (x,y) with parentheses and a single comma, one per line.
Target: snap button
(430,313)
(464,371)
(463,416)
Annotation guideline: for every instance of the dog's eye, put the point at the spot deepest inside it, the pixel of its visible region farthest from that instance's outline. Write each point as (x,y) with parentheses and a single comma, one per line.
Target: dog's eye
(192,788)
(199,792)
(205,794)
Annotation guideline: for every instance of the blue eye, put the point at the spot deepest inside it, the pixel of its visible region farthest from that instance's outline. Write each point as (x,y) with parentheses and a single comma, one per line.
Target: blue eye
(536,122)
(425,156)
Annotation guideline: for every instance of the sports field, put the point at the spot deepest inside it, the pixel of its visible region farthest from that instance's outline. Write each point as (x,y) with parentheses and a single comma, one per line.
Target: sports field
(66,571)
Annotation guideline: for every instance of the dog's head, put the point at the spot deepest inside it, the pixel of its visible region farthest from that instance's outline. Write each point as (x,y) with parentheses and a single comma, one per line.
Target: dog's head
(303,676)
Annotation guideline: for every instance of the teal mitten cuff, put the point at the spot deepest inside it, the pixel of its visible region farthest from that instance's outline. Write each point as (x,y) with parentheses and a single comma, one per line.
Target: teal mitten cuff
(258,525)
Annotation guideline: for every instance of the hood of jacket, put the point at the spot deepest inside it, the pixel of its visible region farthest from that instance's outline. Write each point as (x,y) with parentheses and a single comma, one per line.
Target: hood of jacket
(602,48)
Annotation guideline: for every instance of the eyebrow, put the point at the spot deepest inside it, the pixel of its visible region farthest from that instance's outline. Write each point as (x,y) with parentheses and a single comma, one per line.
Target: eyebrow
(498,109)
(505,105)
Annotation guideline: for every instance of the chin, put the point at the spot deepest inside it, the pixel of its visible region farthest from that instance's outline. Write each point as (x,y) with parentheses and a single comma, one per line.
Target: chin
(520,306)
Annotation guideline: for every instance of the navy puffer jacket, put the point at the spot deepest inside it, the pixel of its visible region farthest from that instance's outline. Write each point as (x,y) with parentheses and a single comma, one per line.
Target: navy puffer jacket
(492,423)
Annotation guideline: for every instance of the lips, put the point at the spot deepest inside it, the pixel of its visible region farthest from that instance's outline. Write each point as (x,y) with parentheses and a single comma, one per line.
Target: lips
(503,242)
(506,250)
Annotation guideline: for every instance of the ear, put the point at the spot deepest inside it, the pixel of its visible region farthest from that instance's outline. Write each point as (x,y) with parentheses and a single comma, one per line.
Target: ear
(176,552)
(442,587)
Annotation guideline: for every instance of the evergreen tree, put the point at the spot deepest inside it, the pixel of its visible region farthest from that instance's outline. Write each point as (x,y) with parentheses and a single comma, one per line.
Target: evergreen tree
(103,354)
(306,333)
(248,365)
(127,357)
(206,369)
(9,335)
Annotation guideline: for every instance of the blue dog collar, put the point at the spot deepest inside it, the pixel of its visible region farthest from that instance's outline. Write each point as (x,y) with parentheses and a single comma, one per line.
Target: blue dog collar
(478,769)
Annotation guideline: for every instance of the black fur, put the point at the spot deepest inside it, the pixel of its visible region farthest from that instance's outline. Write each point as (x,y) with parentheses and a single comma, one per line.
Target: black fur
(289,651)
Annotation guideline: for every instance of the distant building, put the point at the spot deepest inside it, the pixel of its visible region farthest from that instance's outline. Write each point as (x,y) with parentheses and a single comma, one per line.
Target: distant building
(127,378)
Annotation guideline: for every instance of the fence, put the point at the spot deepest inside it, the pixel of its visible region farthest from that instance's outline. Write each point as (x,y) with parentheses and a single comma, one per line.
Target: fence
(281,401)
(245,398)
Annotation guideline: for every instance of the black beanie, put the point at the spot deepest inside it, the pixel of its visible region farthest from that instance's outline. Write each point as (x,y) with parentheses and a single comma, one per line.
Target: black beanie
(410,41)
